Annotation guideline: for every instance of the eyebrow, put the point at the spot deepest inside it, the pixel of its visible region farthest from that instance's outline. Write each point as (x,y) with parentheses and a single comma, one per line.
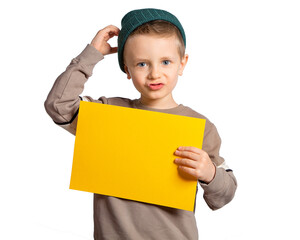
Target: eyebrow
(145,60)
(140,60)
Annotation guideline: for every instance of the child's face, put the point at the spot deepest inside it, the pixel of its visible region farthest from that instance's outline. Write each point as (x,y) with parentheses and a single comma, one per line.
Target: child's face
(154,64)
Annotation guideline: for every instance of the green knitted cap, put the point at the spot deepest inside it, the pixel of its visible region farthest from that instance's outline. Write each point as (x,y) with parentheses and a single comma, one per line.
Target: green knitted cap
(136,18)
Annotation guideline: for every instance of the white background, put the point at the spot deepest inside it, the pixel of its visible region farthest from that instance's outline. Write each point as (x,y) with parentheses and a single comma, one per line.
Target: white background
(242,74)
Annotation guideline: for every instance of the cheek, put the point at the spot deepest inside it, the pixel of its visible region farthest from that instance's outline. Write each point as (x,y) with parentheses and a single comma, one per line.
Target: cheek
(138,76)
(137,80)
(175,82)
(136,83)
(174,77)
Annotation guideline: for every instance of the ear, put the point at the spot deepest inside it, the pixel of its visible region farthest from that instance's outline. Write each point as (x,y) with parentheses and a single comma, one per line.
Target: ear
(183,62)
(127,72)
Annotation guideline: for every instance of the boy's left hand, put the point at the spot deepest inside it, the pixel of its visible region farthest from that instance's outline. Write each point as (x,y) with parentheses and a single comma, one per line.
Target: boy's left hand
(196,163)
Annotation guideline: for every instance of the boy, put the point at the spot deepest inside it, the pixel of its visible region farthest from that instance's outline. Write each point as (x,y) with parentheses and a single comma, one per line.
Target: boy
(151,51)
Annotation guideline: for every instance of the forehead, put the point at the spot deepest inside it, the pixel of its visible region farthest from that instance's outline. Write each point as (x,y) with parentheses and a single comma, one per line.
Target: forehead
(150,45)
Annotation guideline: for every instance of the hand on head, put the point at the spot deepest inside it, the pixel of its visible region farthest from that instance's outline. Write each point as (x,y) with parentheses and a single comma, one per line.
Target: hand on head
(100,41)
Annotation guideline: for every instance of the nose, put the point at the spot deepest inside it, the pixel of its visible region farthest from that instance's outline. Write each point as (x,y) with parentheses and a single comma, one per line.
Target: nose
(154,72)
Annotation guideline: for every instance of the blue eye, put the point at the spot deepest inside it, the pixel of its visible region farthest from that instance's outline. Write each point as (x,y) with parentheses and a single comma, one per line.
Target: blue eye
(141,64)
(166,62)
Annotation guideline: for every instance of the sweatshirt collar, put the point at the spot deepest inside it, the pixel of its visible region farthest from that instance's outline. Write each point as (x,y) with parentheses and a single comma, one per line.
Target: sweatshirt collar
(174,110)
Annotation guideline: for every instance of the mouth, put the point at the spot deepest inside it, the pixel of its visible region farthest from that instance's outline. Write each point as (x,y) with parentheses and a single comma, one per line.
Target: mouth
(156,86)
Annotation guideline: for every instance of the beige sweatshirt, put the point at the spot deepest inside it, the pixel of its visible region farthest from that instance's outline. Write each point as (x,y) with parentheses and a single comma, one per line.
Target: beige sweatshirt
(116,218)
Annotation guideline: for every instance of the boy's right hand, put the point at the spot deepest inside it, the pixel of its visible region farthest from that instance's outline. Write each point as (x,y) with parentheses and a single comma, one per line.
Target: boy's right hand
(101,38)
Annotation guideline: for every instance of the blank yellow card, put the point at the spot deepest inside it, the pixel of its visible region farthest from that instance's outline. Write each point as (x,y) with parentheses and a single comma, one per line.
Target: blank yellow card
(129,153)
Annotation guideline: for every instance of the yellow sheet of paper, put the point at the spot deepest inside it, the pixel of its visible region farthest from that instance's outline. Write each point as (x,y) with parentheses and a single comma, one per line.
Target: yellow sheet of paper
(129,153)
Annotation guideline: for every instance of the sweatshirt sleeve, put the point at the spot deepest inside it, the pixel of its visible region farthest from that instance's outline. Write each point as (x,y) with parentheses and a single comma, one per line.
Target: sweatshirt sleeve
(221,189)
(63,100)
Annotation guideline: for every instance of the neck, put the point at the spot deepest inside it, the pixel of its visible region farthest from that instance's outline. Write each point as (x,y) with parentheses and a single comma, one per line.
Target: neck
(158,103)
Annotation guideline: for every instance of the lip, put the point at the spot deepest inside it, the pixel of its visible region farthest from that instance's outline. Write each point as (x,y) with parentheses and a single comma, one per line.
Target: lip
(155,86)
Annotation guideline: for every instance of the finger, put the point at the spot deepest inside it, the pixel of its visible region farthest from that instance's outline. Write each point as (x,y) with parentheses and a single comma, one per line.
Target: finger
(188,171)
(111,29)
(108,35)
(114,50)
(187,154)
(113,33)
(109,32)
(190,149)
(185,162)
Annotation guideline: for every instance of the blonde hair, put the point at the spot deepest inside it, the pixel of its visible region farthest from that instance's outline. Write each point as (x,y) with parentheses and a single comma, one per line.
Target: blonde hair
(161,28)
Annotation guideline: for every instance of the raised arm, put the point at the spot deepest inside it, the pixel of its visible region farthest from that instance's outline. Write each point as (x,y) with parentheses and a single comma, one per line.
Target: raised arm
(63,100)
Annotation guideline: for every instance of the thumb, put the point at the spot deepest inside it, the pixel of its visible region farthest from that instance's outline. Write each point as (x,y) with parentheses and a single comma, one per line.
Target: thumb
(114,50)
